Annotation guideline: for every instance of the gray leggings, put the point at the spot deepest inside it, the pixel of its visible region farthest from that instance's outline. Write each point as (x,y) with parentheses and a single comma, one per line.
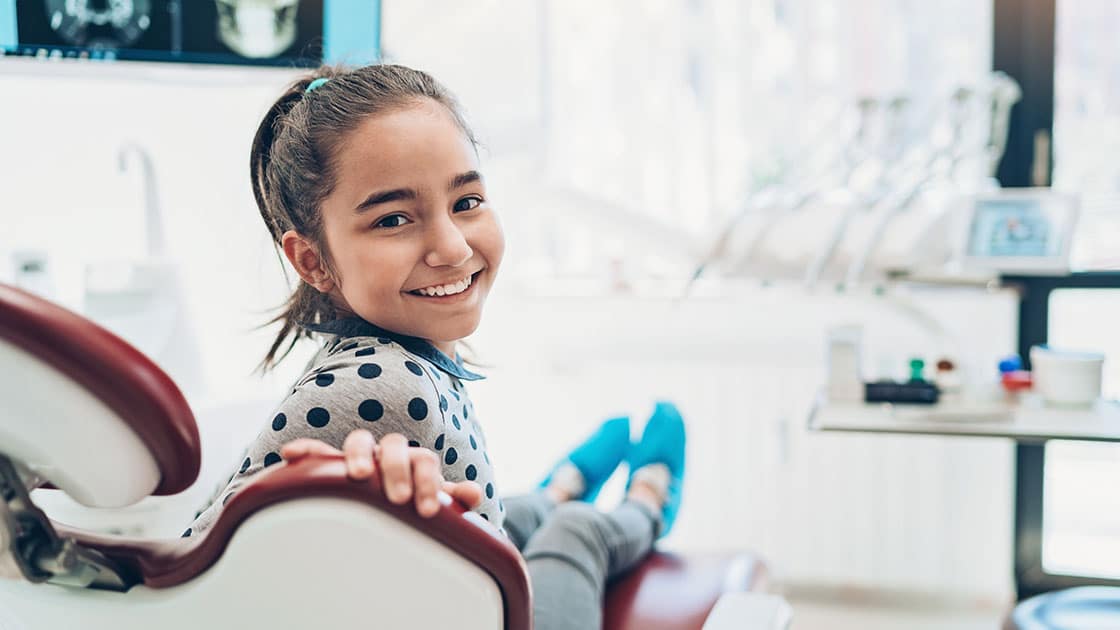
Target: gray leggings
(572,549)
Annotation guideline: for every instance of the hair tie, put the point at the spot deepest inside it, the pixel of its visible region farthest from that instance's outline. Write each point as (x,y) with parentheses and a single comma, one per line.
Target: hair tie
(316,83)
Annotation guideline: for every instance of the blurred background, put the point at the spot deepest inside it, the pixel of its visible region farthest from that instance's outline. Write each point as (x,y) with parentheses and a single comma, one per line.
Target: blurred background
(694,193)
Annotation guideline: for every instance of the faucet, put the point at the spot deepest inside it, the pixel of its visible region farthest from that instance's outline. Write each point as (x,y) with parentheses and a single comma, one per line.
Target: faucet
(152,216)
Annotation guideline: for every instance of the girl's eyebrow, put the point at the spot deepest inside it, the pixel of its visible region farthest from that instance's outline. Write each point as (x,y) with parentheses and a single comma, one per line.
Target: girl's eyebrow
(463,179)
(385,196)
(398,194)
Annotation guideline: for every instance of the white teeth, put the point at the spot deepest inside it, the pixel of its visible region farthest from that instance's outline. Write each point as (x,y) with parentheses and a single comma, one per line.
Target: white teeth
(446,289)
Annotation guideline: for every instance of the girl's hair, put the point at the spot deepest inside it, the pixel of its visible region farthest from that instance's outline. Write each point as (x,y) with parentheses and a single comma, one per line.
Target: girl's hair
(292,164)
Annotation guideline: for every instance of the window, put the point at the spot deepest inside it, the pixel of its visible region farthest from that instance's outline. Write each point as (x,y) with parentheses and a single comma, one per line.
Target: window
(1081,508)
(636,130)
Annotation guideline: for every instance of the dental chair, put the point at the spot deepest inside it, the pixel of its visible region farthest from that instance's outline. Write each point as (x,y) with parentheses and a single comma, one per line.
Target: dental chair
(299,545)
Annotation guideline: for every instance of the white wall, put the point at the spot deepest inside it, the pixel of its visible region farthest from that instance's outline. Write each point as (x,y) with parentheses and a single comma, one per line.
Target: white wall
(923,513)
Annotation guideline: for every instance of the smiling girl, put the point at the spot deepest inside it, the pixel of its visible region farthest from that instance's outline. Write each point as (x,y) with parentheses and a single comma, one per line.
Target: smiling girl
(369,182)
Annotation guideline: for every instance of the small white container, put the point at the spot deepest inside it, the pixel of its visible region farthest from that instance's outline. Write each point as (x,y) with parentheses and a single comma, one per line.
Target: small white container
(1065,378)
(844,381)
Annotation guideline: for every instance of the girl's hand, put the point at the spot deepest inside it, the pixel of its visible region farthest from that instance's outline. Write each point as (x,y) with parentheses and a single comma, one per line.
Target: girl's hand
(406,472)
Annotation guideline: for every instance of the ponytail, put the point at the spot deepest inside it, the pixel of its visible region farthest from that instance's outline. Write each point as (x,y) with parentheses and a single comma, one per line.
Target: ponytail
(306,305)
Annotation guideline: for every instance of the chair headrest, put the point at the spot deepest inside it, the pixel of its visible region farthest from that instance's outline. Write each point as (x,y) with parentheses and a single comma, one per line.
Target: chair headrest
(87,411)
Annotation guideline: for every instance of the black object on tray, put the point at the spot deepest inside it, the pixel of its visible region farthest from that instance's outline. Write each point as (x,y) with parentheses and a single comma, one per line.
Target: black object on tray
(909,393)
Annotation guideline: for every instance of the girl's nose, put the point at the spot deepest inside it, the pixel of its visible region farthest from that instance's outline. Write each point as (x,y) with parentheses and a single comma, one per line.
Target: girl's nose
(447,245)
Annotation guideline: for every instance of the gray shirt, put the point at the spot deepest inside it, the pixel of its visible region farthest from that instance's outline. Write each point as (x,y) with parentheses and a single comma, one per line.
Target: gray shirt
(367,378)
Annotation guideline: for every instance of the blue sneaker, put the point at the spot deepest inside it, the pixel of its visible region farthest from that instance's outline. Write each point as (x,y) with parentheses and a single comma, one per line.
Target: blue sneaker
(598,456)
(663,442)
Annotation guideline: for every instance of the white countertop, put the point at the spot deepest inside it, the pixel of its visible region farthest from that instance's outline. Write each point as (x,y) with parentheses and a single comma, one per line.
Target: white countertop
(1029,420)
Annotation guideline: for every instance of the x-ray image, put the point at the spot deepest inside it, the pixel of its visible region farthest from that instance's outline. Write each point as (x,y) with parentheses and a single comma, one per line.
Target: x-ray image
(253,32)
(257,28)
(95,24)
(254,29)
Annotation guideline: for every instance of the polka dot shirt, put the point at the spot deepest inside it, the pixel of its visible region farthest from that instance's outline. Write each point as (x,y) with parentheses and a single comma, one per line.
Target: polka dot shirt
(365,377)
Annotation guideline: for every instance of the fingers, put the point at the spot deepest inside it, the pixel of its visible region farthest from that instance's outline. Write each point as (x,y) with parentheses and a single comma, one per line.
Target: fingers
(359,449)
(406,473)
(298,449)
(467,492)
(427,479)
(396,469)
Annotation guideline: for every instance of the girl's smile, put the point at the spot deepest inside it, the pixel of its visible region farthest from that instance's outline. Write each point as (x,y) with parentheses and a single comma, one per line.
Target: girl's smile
(448,292)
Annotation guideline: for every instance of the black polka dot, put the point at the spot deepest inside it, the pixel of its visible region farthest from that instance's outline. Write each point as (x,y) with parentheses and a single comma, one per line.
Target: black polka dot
(485,516)
(324,379)
(466,413)
(415,369)
(371,410)
(384,340)
(474,445)
(418,409)
(472,472)
(489,491)
(279,422)
(365,352)
(413,443)
(271,458)
(442,403)
(451,456)
(349,346)
(455,421)
(186,534)
(369,370)
(318,417)
(245,465)
(439,442)
(228,497)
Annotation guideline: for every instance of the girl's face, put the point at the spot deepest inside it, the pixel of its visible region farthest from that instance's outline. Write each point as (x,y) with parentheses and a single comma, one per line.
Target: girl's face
(414,244)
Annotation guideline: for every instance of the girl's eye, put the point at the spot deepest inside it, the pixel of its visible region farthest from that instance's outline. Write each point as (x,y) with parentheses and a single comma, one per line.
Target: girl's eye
(467,203)
(391,221)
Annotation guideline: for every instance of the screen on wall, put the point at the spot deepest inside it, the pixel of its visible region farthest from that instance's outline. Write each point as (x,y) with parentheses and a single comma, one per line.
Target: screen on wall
(244,32)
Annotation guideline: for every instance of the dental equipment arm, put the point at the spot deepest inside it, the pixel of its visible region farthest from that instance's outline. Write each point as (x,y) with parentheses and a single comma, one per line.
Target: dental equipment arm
(1005,93)
(768,196)
(953,151)
(867,109)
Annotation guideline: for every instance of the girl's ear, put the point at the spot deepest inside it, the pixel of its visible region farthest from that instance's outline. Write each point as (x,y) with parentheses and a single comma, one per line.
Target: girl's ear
(306,260)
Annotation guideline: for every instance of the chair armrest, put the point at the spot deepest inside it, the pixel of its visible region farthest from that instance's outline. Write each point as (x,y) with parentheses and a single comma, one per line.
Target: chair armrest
(168,563)
(749,611)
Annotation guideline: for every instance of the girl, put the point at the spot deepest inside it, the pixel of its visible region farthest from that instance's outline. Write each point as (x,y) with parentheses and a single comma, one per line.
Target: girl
(369,182)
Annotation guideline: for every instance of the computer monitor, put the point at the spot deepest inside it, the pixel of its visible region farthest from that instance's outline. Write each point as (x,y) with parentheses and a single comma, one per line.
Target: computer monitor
(1020,230)
(288,33)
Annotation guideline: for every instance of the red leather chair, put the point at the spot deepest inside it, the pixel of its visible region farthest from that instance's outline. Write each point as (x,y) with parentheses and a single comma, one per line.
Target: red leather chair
(298,545)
